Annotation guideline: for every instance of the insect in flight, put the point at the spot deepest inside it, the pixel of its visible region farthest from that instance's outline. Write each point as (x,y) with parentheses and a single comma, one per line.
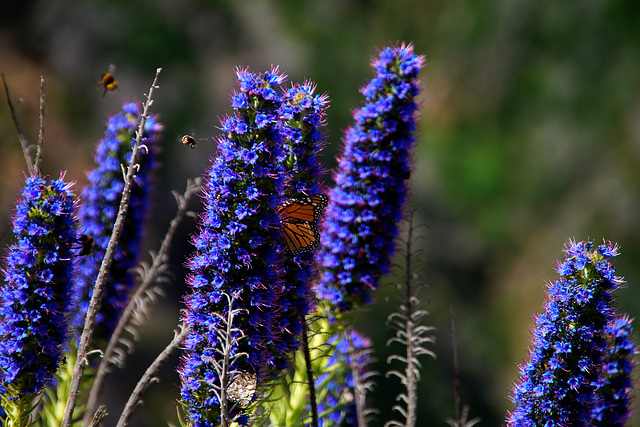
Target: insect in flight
(87,244)
(108,80)
(299,216)
(189,141)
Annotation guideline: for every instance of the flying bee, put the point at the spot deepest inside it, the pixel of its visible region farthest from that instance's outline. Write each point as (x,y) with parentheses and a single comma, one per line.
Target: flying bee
(108,81)
(87,245)
(189,141)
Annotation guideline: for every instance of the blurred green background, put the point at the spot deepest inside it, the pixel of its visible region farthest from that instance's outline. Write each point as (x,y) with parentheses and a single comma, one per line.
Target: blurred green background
(529,135)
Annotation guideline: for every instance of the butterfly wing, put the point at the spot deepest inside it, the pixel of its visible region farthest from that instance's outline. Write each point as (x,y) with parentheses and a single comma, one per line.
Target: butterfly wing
(303,208)
(298,217)
(300,236)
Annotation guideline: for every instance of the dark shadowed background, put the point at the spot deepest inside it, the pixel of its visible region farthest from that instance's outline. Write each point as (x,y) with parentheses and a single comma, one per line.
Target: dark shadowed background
(529,135)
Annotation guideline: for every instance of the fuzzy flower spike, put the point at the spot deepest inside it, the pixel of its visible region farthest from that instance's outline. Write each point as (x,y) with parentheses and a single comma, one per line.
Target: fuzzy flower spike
(238,261)
(578,371)
(98,214)
(35,294)
(615,385)
(366,204)
(346,378)
(302,116)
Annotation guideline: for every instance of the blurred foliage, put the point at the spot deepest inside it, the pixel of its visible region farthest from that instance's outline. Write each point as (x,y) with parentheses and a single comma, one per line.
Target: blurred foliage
(530,134)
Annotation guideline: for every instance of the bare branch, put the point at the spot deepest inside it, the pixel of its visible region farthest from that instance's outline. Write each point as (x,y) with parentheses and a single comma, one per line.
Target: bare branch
(36,164)
(462,412)
(94,305)
(149,376)
(23,139)
(148,277)
(310,376)
(409,331)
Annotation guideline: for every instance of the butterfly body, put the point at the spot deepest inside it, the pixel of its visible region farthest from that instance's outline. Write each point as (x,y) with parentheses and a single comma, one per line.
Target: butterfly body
(298,217)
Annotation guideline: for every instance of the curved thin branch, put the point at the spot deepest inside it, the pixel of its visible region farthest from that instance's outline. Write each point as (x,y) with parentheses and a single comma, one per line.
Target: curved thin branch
(310,377)
(193,186)
(148,376)
(23,139)
(36,163)
(94,305)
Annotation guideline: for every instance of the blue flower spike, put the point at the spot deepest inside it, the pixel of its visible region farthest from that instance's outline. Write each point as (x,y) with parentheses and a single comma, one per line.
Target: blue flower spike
(302,116)
(36,293)
(366,204)
(239,252)
(579,368)
(338,385)
(98,213)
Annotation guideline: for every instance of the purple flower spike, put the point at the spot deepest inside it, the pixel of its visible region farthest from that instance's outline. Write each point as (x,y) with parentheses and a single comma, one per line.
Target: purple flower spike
(349,351)
(98,214)
(35,295)
(239,253)
(579,366)
(615,384)
(366,204)
(302,115)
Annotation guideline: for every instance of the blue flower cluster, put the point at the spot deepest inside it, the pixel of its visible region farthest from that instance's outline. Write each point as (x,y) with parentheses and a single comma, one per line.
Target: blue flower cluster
(251,277)
(302,114)
(366,204)
(238,250)
(35,295)
(336,386)
(578,359)
(614,386)
(98,213)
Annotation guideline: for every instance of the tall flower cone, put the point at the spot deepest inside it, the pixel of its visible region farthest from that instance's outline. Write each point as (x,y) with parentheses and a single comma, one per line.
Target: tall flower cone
(35,295)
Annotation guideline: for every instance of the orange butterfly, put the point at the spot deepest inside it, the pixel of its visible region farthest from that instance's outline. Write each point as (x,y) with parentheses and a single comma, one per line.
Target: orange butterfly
(298,217)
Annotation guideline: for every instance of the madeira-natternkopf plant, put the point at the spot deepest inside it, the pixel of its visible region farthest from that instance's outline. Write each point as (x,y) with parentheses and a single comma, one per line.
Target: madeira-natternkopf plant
(284,260)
